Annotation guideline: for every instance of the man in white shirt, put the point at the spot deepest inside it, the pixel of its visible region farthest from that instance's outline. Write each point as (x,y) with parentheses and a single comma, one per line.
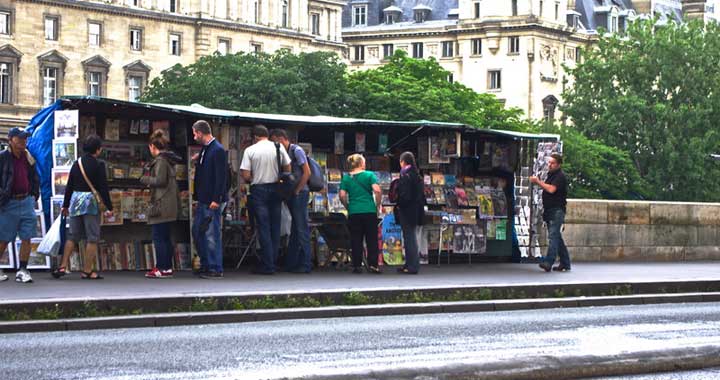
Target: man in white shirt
(260,167)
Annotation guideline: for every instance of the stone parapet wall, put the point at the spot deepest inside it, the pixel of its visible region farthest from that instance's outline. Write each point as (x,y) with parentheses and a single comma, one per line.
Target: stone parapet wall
(599,230)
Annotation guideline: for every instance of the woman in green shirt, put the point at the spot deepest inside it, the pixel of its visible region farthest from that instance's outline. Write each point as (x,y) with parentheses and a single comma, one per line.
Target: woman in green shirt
(361,196)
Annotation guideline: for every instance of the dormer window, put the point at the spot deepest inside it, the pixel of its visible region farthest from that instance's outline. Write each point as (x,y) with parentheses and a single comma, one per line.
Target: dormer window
(359,15)
(422,13)
(393,14)
(573,19)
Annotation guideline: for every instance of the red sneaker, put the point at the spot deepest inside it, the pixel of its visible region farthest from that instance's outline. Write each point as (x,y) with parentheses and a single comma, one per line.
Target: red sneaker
(157,273)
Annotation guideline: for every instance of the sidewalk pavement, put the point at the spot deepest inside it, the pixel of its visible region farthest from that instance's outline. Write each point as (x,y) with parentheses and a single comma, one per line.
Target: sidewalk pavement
(133,285)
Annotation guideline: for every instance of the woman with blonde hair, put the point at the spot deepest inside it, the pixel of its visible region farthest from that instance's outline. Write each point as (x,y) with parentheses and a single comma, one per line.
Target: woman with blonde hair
(362,197)
(164,203)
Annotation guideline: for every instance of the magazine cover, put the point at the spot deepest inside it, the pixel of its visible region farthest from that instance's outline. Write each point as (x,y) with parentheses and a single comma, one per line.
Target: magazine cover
(447,235)
(450,144)
(66,124)
(429,195)
(60,179)
(451,197)
(469,239)
(334,175)
(462,199)
(339,143)
(435,150)
(112,130)
(439,195)
(485,204)
(499,203)
(450,180)
(392,247)
(501,229)
(438,179)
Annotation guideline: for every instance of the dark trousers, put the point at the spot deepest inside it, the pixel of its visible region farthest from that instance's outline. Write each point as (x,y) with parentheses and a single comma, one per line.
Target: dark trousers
(299,258)
(364,227)
(412,252)
(556,245)
(266,206)
(163,245)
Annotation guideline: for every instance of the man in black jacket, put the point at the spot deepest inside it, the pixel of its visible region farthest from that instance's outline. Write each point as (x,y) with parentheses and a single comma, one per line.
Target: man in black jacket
(554,198)
(211,195)
(19,189)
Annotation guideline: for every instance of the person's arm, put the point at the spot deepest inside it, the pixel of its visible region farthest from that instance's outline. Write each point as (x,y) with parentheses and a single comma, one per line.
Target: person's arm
(219,178)
(377,192)
(245,167)
(102,186)
(404,190)
(550,188)
(247,175)
(304,178)
(285,160)
(344,198)
(159,178)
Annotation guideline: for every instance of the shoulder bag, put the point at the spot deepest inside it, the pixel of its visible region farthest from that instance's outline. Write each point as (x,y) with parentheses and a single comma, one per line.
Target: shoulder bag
(89,183)
(286,181)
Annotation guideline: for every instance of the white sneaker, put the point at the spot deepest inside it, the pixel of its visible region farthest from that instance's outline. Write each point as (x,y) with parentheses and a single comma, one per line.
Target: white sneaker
(3,276)
(23,276)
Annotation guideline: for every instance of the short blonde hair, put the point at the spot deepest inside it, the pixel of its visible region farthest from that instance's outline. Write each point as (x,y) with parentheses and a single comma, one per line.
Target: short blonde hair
(354,161)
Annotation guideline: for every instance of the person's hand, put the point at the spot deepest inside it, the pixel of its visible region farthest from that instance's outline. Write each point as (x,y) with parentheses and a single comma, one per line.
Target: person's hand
(214,206)
(109,214)
(64,211)
(535,180)
(195,157)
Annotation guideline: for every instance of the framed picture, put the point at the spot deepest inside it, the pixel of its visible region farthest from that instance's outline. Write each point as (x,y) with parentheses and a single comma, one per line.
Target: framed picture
(7,258)
(66,124)
(64,153)
(36,260)
(55,207)
(39,225)
(60,179)
(436,146)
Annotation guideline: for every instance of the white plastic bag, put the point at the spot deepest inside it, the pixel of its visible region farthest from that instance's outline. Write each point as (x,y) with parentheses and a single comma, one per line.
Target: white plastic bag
(285,220)
(50,244)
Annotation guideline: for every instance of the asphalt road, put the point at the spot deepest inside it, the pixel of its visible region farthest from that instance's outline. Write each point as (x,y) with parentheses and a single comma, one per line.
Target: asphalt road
(397,347)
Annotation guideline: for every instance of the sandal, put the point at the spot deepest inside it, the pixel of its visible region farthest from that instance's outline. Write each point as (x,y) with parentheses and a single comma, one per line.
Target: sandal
(91,276)
(57,273)
(407,271)
(375,270)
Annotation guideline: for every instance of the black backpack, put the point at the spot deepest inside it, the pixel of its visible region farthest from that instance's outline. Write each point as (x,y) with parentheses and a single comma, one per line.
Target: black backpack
(316,182)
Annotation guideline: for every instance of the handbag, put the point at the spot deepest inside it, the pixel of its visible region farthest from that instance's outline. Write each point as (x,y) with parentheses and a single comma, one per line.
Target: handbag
(286,181)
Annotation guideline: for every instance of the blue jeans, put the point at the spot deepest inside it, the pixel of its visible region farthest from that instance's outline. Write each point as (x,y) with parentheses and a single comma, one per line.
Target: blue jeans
(163,245)
(298,257)
(556,245)
(209,243)
(266,206)
(412,254)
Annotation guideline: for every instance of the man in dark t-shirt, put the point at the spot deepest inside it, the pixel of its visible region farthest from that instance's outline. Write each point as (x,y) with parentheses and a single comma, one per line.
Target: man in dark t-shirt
(554,198)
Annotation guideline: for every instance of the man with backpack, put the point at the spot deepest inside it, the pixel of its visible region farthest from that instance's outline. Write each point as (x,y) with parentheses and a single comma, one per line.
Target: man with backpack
(298,259)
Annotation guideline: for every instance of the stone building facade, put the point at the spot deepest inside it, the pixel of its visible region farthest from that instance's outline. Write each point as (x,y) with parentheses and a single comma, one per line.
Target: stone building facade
(113,48)
(514,49)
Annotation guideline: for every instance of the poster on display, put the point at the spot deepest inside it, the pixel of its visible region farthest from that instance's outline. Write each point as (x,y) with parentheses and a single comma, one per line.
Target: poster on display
(382,142)
(60,179)
(55,206)
(64,153)
(7,258)
(39,231)
(360,142)
(36,260)
(66,124)
(112,130)
(469,239)
(450,144)
(435,151)
(392,247)
(87,126)
(339,143)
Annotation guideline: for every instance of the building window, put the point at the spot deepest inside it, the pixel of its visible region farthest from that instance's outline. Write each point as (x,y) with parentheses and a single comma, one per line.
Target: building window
(285,16)
(223,46)
(360,15)
(614,24)
(94,83)
(476,46)
(494,80)
(578,50)
(136,39)
(134,88)
(451,78)
(514,6)
(447,49)
(257,48)
(173,6)
(420,16)
(51,28)
(514,45)
(389,18)
(388,51)
(94,33)
(417,49)
(476,7)
(541,9)
(175,47)
(315,24)
(5,83)
(49,85)
(549,106)
(5,22)
(256,11)
(557,11)
(359,52)
(135,3)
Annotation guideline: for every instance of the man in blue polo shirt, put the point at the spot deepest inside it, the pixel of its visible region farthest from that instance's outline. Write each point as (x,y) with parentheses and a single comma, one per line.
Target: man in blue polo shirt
(19,189)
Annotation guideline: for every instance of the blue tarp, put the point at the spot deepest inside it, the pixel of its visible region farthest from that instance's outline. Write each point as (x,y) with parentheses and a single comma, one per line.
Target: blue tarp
(42,126)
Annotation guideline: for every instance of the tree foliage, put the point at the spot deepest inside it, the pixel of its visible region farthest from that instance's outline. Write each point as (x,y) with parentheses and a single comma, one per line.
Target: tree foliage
(653,93)
(304,84)
(418,89)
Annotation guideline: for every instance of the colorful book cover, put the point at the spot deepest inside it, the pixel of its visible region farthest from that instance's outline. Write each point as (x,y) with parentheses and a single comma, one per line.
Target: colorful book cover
(471,196)
(438,179)
(116,197)
(469,239)
(432,234)
(485,204)
(427,179)
(450,180)
(334,175)
(451,197)
(384,179)
(501,229)
(499,203)
(462,199)
(359,142)
(490,229)
(439,195)
(447,235)
(334,204)
(392,247)
(430,195)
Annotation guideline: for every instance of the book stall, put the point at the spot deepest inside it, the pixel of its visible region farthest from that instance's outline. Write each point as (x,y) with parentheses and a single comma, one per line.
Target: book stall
(469,177)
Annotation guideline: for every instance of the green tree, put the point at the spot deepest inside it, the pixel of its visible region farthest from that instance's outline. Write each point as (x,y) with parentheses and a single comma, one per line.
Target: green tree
(304,84)
(653,93)
(418,89)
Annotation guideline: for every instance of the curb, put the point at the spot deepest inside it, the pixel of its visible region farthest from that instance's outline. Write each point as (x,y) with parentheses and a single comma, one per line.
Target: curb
(243,316)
